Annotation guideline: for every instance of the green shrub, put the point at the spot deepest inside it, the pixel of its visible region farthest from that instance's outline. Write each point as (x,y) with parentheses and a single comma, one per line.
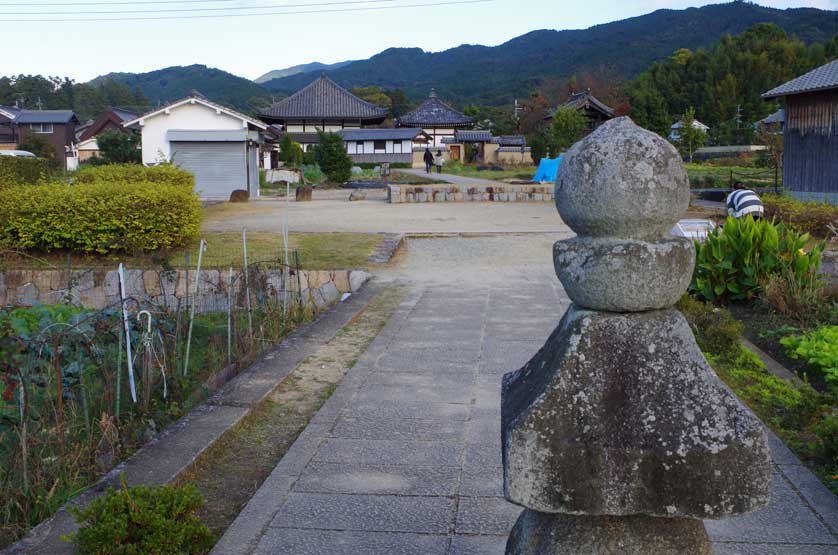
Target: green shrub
(290,152)
(332,157)
(136,173)
(99,217)
(805,217)
(819,348)
(16,170)
(736,260)
(715,329)
(312,174)
(119,147)
(143,521)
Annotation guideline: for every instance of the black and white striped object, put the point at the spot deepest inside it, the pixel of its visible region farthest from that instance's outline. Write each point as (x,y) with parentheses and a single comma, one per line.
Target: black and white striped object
(743,202)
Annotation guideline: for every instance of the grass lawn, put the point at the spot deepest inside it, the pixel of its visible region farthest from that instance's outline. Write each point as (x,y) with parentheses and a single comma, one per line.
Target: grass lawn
(524,173)
(317,251)
(707,176)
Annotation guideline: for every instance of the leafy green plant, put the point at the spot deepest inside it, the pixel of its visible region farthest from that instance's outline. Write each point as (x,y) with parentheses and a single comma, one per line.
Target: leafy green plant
(804,216)
(99,216)
(15,170)
(819,348)
(119,147)
(168,174)
(290,152)
(143,521)
(735,261)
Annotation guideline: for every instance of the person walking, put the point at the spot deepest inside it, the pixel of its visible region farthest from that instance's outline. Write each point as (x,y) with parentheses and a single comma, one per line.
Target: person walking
(742,201)
(429,159)
(438,161)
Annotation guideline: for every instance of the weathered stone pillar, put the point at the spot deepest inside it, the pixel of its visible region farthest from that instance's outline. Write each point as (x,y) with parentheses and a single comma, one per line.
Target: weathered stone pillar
(617,436)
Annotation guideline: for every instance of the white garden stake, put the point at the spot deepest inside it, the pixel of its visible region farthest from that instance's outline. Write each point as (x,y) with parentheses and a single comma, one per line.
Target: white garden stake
(201,248)
(127,327)
(247,287)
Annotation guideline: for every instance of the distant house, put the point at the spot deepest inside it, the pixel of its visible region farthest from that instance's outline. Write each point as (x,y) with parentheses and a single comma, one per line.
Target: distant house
(595,111)
(112,118)
(56,126)
(775,123)
(810,152)
(8,127)
(383,145)
(437,119)
(321,106)
(674,129)
(217,144)
(483,147)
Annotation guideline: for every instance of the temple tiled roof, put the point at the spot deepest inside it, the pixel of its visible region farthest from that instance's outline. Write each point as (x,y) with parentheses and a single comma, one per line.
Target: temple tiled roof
(510,140)
(433,112)
(473,136)
(819,79)
(585,99)
(324,99)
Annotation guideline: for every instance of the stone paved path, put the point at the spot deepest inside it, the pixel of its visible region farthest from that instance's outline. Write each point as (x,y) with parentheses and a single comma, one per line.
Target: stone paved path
(404,458)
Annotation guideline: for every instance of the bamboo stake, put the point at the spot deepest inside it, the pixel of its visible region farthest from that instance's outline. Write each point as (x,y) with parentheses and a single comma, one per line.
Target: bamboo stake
(201,248)
(247,287)
(230,316)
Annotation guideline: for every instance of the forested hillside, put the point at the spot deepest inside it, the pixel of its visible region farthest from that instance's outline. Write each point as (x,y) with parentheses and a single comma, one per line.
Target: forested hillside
(173,83)
(615,52)
(724,83)
(86,100)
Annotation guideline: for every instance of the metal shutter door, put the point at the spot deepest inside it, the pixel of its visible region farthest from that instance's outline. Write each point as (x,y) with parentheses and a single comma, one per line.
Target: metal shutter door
(219,168)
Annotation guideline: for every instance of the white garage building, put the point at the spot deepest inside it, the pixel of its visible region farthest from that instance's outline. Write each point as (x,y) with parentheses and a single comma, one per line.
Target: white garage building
(217,144)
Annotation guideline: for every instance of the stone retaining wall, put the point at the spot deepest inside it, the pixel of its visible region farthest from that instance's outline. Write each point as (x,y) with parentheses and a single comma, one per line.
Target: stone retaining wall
(97,289)
(502,192)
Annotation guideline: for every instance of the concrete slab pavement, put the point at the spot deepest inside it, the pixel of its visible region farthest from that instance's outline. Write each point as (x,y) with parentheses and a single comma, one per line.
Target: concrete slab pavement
(405,456)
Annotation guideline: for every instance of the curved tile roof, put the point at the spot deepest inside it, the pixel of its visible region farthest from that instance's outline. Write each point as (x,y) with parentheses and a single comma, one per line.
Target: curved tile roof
(433,112)
(324,99)
(819,79)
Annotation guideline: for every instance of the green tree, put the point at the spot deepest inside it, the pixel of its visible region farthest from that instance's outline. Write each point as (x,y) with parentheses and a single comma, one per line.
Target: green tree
(332,157)
(567,127)
(118,147)
(290,152)
(39,146)
(374,95)
(690,138)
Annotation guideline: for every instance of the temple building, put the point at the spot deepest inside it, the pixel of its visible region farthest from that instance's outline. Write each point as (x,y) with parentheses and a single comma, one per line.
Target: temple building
(437,119)
(321,106)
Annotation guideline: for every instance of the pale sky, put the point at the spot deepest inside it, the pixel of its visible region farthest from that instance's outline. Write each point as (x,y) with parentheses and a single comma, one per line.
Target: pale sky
(251,46)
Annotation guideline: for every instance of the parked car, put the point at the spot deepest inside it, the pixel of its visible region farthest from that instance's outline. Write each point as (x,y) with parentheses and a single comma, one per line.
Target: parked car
(18,153)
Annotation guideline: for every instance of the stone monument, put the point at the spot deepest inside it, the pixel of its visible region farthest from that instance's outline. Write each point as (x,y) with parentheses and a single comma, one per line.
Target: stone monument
(618,438)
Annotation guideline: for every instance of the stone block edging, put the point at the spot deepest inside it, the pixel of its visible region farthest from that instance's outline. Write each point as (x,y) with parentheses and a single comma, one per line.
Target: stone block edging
(502,192)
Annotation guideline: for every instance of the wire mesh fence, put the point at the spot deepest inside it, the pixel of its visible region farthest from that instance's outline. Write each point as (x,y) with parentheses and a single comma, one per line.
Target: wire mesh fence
(95,361)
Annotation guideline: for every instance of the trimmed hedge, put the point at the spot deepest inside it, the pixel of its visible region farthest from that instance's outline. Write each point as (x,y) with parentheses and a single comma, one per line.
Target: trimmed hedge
(15,170)
(99,217)
(136,173)
(806,217)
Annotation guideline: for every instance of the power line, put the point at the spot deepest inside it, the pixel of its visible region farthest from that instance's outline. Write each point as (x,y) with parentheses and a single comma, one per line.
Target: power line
(191,10)
(229,15)
(129,2)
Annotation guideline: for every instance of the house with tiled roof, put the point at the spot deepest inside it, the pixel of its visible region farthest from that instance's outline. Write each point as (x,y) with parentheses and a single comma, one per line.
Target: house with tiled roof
(377,145)
(810,133)
(112,118)
(595,111)
(438,119)
(323,105)
(57,127)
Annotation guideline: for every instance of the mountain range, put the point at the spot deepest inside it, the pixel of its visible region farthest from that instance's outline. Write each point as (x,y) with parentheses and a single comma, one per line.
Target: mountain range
(303,68)
(495,75)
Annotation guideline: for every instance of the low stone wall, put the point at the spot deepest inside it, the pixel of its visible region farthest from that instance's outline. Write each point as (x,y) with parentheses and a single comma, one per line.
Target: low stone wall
(97,289)
(502,192)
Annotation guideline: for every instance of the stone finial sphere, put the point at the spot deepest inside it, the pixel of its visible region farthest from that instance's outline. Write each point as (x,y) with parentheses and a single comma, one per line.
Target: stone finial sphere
(622,181)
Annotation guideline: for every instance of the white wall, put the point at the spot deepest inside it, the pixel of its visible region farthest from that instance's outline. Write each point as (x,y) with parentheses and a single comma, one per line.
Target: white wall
(191,117)
(440,133)
(314,126)
(391,147)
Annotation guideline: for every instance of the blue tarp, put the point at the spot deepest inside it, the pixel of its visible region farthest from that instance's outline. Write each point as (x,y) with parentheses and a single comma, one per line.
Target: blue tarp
(547,169)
